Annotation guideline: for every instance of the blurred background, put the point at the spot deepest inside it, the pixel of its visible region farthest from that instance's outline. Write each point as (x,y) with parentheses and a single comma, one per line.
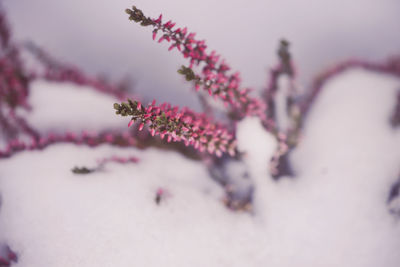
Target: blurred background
(97,36)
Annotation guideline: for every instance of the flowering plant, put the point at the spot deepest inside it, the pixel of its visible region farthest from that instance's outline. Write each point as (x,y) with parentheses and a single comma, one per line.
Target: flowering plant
(180,125)
(215,78)
(196,129)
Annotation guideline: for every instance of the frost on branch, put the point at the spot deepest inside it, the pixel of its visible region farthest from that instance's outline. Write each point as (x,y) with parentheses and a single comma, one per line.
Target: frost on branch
(180,125)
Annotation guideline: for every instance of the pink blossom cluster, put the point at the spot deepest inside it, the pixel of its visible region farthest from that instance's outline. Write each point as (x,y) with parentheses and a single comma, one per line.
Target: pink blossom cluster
(13,94)
(85,138)
(14,83)
(13,79)
(214,77)
(176,125)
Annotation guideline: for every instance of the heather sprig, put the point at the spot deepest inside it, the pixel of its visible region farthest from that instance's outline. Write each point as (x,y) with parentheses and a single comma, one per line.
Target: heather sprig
(14,83)
(390,67)
(287,138)
(13,78)
(85,138)
(176,125)
(57,71)
(285,66)
(214,77)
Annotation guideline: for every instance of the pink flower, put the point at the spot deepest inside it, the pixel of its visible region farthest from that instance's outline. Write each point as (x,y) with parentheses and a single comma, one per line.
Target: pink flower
(195,129)
(158,21)
(214,77)
(141,126)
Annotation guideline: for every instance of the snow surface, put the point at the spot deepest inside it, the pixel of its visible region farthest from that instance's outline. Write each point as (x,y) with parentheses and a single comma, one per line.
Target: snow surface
(66,106)
(333,213)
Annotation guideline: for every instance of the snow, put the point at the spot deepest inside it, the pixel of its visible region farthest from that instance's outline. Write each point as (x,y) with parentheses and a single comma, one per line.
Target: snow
(56,107)
(333,213)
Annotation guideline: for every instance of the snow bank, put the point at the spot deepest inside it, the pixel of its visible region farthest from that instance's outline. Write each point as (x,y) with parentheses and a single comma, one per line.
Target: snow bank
(333,213)
(61,107)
